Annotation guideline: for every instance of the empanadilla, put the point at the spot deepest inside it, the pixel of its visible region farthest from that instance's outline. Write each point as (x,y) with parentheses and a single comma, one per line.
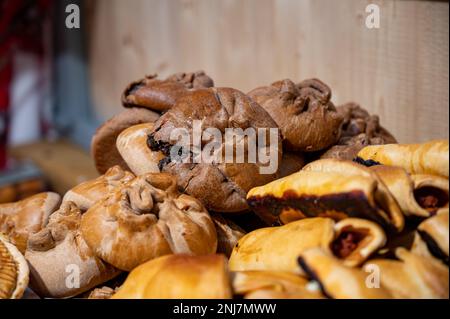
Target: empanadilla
(431,192)
(426,158)
(435,233)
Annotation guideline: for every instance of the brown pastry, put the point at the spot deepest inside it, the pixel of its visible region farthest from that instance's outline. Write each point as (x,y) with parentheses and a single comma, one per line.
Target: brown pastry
(20,219)
(327,187)
(426,158)
(359,129)
(413,276)
(228,234)
(103,144)
(220,185)
(277,248)
(307,118)
(61,264)
(86,194)
(161,95)
(290,163)
(145,219)
(337,280)
(431,192)
(102,293)
(14,270)
(435,233)
(273,285)
(178,277)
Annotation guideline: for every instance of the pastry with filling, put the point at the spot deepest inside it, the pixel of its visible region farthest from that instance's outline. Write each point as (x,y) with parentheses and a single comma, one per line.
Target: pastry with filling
(351,240)
(413,276)
(18,220)
(426,158)
(307,118)
(145,219)
(86,194)
(14,272)
(435,233)
(61,263)
(228,234)
(337,280)
(178,277)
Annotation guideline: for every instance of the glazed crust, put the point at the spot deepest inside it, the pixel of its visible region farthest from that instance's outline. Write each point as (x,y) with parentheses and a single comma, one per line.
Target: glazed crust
(427,158)
(60,249)
(161,95)
(307,118)
(20,219)
(178,277)
(145,219)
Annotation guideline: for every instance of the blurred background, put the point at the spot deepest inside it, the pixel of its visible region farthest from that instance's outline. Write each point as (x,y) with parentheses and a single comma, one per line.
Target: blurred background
(57,84)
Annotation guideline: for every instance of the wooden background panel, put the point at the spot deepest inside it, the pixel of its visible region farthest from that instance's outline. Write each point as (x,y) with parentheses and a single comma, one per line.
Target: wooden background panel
(399,71)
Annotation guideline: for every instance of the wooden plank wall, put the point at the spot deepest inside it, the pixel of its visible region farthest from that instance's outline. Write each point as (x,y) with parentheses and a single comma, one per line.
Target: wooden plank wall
(399,71)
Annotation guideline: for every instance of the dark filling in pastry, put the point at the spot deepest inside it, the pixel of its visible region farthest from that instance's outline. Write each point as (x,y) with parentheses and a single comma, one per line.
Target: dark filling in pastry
(313,276)
(347,241)
(431,198)
(159,146)
(433,247)
(366,163)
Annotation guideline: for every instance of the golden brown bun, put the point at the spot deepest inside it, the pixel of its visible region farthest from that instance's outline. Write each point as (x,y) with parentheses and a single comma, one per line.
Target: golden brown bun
(277,248)
(132,146)
(103,144)
(178,277)
(274,284)
(59,251)
(14,272)
(426,158)
(337,280)
(228,234)
(145,219)
(20,219)
(86,194)
(307,119)
(413,276)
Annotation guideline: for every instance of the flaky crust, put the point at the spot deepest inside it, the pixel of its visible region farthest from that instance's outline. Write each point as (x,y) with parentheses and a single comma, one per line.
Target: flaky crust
(178,277)
(307,118)
(103,144)
(20,219)
(86,194)
(219,185)
(426,158)
(58,251)
(145,219)
(161,95)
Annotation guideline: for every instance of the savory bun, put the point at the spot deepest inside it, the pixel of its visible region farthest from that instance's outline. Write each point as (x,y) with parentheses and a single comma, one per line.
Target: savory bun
(58,251)
(307,118)
(86,194)
(132,146)
(220,185)
(20,219)
(14,271)
(145,219)
(161,95)
(103,144)
(178,277)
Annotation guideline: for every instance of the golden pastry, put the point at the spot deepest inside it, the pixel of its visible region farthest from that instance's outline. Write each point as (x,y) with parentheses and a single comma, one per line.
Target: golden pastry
(435,233)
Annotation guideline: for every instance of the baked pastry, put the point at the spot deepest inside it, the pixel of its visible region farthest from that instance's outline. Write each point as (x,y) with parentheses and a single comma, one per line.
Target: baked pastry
(132,146)
(20,219)
(228,234)
(435,233)
(331,188)
(337,280)
(426,158)
(102,293)
(413,276)
(219,185)
(273,285)
(161,95)
(61,264)
(417,195)
(145,219)
(290,163)
(307,118)
(277,248)
(103,144)
(178,277)
(359,129)
(86,194)
(14,271)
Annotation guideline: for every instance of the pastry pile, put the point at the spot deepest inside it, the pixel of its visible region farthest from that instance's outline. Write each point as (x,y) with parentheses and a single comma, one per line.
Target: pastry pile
(348,213)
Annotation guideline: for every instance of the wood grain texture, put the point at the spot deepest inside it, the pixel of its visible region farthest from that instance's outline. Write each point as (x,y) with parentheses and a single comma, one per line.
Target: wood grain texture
(399,71)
